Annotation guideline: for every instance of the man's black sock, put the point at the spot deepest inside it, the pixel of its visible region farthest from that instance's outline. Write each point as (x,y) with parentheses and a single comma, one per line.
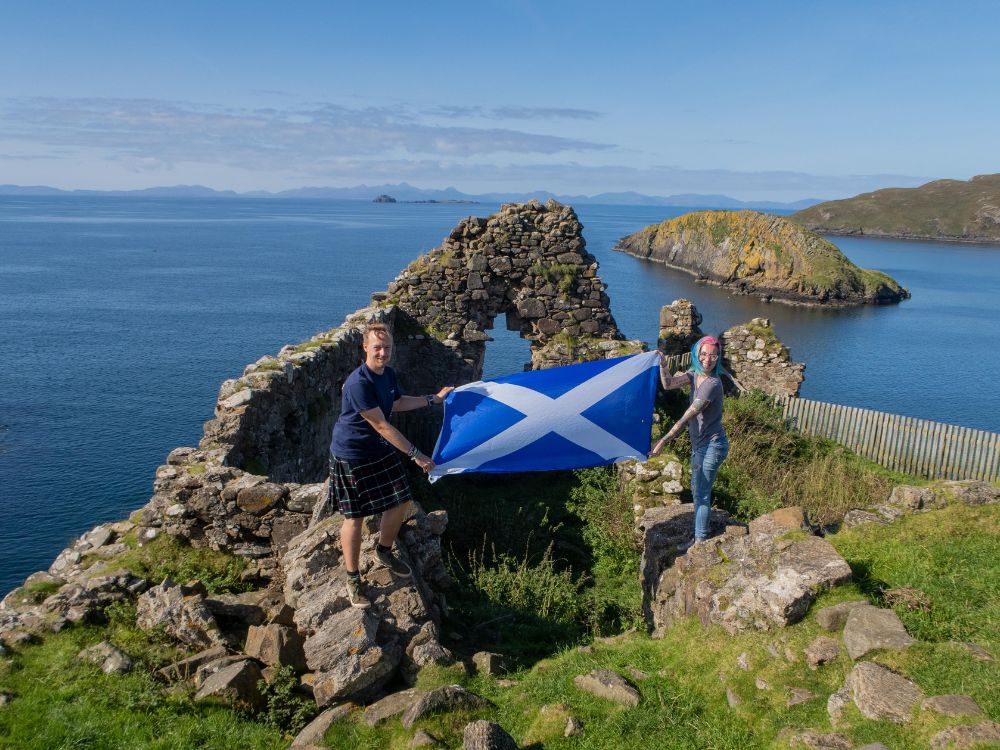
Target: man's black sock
(381,548)
(356,575)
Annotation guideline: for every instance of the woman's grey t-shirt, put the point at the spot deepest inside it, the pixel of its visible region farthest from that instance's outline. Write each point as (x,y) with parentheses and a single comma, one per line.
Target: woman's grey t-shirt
(709,422)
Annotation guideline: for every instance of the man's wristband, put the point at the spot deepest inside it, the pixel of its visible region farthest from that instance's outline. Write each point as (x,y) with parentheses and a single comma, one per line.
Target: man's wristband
(412,453)
(430,399)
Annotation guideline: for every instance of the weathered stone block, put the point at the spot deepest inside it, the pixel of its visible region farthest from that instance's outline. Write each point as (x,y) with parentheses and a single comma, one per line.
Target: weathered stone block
(486,735)
(392,705)
(834,617)
(447,698)
(261,497)
(186,618)
(952,705)
(869,628)
(487,662)
(276,645)
(880,693)
(236,685)
(607,684)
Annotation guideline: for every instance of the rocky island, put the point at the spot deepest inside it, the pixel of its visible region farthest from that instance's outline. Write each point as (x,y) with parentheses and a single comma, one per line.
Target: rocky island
(749,252)
(950,210)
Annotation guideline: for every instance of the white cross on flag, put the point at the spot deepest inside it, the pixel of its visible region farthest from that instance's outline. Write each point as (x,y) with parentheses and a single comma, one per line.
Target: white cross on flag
(589,414)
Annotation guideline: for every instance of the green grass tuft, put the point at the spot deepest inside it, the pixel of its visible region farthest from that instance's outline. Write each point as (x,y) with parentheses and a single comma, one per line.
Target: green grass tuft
(950,555)
(61,703)
(168,557)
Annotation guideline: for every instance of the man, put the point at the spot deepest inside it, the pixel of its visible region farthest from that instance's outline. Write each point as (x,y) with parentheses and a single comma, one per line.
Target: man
(366,473)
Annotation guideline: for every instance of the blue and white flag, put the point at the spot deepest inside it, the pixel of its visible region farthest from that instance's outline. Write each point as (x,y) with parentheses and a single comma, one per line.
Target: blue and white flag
(589,414)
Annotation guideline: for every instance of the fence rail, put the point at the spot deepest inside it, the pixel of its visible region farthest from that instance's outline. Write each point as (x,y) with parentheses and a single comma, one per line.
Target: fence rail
(913,446)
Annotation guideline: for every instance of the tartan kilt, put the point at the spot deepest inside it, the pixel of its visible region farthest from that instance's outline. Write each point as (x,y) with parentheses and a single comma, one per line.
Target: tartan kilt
(367,486)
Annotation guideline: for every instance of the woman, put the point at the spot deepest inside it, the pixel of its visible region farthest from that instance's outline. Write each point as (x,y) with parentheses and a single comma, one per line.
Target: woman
(709,445)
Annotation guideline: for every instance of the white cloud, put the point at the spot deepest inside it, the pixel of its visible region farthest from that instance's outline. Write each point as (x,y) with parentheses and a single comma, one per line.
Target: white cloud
(513,113)
(337,145)
(259,139)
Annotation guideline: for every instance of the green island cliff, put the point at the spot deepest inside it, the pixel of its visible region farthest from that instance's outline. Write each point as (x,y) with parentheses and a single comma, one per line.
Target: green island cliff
(750,252)
(951,210)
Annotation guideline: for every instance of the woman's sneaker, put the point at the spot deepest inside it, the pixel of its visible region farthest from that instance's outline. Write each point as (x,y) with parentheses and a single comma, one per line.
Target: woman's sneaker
(690,545)
(392,561)
(356,593)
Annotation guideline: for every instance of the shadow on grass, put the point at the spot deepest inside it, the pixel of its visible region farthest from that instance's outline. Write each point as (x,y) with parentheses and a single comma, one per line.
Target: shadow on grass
(523,567)
(872,587)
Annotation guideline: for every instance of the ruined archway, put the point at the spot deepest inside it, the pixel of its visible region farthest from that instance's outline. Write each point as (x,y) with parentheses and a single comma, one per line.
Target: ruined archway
(528,262)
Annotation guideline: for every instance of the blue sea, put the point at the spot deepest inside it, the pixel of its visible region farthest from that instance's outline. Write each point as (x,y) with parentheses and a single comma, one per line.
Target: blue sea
(120,317)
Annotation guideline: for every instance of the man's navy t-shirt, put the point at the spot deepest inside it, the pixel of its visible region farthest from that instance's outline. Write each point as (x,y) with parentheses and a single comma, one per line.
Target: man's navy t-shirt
(364,389)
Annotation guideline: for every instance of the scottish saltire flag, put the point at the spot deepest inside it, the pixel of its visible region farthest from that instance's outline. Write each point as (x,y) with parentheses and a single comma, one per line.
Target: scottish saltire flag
(589,414)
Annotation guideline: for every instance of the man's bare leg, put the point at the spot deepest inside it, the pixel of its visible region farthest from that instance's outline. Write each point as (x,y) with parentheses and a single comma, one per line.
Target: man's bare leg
(350,542)
(388,528)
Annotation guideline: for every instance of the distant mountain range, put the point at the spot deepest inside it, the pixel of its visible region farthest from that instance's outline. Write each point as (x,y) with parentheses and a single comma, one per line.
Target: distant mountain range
(404,192)
(954,210)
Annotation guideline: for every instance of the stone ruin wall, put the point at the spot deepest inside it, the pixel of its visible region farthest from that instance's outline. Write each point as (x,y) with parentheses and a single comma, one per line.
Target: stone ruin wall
(758,360)
(751,351)
(254,480)
(679,327)
(258,472)
(528,262)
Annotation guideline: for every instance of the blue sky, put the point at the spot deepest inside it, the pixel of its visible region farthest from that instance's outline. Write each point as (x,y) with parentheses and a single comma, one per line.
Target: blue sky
(757,100)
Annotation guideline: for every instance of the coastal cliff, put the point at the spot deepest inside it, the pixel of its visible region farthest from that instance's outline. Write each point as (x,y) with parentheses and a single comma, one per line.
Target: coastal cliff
(951,210)
(754,253)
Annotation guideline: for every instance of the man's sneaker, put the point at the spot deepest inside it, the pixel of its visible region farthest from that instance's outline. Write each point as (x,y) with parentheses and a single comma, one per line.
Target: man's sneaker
(391,561)
(356,593)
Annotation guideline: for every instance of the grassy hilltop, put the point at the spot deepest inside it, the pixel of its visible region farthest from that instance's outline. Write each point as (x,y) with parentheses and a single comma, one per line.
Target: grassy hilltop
(940,210)
(750,252)
(547,572)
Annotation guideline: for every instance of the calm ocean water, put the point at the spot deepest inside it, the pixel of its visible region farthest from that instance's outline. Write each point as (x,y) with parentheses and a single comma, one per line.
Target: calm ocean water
(120,317)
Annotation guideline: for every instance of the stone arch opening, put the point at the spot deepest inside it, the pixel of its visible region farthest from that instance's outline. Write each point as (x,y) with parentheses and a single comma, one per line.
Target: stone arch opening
(508,351)
(527,262)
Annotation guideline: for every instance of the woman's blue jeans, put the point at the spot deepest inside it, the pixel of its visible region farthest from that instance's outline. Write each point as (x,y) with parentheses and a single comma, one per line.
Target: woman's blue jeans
(705,462)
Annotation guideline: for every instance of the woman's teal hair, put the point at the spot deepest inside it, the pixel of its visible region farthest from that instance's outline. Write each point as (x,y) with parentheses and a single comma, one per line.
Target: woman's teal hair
(696,365)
